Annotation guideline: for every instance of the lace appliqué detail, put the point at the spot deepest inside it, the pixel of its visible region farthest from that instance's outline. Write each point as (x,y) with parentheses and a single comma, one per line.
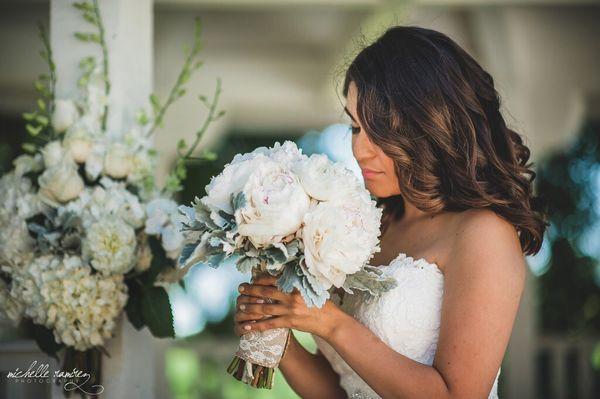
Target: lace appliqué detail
(406,318)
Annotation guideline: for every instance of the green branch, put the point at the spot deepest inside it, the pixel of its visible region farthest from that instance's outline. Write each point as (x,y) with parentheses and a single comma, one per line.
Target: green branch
(39,121)
(178,91)
(179,171)
(91,13)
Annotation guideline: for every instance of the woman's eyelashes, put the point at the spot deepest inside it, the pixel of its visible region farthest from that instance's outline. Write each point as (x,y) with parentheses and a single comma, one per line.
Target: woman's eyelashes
(354,129)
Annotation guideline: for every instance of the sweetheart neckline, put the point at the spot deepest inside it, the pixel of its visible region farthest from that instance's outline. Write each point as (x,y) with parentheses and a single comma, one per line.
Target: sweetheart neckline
(403,256)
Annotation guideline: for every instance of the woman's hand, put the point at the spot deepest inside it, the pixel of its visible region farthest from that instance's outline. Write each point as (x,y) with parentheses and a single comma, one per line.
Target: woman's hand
(253,313)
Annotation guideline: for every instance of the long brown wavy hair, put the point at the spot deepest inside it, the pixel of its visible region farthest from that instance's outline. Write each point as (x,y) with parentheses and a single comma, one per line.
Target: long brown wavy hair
(435,111)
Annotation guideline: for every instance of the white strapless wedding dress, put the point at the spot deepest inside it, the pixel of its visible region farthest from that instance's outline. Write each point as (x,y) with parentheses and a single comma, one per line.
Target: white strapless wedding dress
(406,318)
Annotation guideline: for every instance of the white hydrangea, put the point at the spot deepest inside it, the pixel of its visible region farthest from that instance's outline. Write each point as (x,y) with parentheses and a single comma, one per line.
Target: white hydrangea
(17,203)
(63,294)
(339,238)
(110,246)
(110,198)
(164,220)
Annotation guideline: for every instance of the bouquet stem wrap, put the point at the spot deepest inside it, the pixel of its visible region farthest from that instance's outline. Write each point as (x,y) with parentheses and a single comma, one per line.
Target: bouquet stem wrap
(258,354)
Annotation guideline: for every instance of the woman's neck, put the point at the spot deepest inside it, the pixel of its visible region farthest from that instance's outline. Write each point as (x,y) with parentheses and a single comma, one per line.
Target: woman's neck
(411,212)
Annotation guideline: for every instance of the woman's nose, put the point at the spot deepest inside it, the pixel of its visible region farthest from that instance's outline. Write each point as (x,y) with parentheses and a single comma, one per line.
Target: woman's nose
(362,146)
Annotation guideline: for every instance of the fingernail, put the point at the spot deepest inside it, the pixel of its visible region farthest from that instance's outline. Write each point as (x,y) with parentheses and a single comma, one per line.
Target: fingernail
(242,307)
(247,327)
(241,288)
(260,301)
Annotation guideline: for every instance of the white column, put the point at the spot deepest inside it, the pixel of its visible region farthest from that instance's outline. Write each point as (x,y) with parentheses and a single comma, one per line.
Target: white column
(130,371)
(128,25)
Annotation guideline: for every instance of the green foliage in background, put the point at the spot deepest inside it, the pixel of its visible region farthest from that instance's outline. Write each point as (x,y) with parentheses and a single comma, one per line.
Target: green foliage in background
(569,294)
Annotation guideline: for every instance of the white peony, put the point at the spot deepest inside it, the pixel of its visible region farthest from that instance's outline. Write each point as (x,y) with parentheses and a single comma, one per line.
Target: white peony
(61,182)
(65,114)
(275,204)
(287,153)
(53,154)
(339,239)
(110,246)
(117,161)
(231,180)
(325,180)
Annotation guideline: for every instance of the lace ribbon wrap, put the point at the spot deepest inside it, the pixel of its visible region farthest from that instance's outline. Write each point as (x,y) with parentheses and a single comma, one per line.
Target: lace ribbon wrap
(258,354)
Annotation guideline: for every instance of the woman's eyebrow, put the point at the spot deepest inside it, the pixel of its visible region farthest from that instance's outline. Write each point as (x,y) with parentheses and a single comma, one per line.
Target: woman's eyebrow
(348,112)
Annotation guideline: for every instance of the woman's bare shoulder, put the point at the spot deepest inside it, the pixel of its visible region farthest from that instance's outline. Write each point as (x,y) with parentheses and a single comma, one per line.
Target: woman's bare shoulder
(481,236)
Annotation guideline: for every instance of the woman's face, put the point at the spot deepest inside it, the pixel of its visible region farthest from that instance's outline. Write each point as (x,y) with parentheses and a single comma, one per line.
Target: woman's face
(377,168)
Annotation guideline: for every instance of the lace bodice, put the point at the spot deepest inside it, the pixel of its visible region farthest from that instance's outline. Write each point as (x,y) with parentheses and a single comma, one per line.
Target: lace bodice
(406,318)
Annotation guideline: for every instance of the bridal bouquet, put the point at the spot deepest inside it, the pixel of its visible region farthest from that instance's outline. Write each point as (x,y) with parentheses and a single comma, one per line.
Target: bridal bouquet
(306,220)
(85,231)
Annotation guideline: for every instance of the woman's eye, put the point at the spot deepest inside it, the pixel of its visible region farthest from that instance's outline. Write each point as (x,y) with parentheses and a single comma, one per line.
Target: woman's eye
(355,129)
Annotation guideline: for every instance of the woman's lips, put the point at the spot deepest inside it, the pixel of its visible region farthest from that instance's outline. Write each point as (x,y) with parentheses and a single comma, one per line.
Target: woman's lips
(369,173)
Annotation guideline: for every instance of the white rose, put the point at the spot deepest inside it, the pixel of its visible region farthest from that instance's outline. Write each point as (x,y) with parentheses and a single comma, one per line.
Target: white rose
(53,153)
(275,204)
(61,183)
(110,245)
(117,161)
(78,142)
(79,148)
(339,239)
(325,180)
(65,114)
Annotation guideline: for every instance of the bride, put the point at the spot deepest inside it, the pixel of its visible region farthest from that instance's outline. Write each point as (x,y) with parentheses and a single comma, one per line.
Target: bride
(458,215)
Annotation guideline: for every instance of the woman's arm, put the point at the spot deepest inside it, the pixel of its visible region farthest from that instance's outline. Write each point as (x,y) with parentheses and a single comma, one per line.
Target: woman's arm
(309,375)
(483,283)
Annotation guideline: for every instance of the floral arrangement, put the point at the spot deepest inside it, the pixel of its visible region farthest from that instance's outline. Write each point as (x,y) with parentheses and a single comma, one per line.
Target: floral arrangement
(86,233)
(306,220)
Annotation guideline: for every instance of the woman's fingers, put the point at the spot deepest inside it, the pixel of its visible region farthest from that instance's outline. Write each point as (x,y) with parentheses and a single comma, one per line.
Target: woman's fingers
(240,316)
(269,309)
(248,299)
(239,330)
(263,291)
